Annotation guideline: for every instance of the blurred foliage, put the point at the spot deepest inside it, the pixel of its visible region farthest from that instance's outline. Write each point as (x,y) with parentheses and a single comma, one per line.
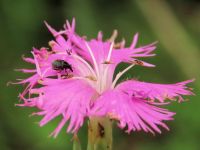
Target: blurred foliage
(175,24)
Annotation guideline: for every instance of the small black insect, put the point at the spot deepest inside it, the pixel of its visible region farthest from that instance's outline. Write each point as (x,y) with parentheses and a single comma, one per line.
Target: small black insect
(60,65)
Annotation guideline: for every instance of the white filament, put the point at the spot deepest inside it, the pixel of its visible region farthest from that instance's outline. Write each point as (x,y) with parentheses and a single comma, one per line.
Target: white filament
(120,74)
(105,71)
(105,76)
(93,58)
(110,52)
(83,61)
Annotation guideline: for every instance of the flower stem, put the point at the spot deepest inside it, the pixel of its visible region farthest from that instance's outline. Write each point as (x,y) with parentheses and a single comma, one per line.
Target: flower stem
(99,134)
(76,143)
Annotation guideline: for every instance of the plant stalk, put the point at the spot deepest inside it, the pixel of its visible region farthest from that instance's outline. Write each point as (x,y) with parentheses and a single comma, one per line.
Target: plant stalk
(99,134)
(76,143)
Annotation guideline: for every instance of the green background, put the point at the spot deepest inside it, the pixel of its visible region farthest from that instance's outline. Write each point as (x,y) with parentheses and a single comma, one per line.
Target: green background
(175,24)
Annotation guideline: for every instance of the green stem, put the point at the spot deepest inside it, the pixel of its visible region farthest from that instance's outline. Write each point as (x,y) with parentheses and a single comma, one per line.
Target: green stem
(76,143)
(99,134)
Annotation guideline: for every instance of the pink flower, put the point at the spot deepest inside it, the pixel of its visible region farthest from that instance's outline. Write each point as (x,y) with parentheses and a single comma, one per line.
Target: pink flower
(75,79)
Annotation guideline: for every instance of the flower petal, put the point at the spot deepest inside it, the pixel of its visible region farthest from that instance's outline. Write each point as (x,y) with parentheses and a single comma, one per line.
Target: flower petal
(154,91)
(135,113)
(69,98)
(101,49)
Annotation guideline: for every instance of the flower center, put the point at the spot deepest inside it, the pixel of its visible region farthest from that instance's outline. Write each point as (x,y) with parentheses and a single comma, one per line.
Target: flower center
(103,78)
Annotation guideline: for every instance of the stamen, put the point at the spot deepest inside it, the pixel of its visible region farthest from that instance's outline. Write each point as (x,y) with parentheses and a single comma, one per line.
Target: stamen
(105,73)
(120,44)
(86,63)
(93,58)
(113,36)
(104,78)
(120,74)
(110,52)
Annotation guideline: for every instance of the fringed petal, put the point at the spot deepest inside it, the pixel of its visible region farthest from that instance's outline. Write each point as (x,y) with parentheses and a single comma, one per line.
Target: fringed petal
(134,113)
(69,98)
(155,91)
